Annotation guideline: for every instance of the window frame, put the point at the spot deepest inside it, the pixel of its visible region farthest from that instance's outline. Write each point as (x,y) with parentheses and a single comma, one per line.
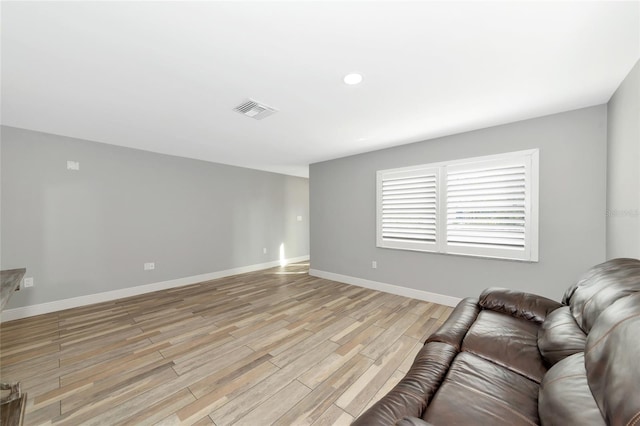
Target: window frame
(529,158)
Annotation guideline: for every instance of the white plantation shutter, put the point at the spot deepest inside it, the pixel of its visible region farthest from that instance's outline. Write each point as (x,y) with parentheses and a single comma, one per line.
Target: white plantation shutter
(407,208)
(484,206)
(487,208)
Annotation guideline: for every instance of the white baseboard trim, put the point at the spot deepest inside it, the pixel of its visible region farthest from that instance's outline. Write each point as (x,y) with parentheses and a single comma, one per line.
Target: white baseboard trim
(90,299)
(427,296)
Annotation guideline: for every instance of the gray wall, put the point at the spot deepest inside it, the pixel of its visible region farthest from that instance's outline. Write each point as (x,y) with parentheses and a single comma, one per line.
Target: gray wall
(85,232)
(572,209)
(623,169)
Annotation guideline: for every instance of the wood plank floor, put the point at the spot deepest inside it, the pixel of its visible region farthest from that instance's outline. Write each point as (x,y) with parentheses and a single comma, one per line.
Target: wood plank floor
(270,347)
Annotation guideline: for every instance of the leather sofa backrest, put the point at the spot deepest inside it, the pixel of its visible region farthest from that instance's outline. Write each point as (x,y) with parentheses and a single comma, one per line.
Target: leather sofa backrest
(600,383)
(559,336)
(612,355)
(600,287)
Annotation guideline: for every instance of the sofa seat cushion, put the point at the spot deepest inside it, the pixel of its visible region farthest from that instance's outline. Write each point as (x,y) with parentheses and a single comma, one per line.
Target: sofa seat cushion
(477,391)
(565,397)
(560,336)
(508,341)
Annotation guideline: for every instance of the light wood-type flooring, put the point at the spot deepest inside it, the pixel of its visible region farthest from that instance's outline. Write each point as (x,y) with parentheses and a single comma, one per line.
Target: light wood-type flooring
(269,347)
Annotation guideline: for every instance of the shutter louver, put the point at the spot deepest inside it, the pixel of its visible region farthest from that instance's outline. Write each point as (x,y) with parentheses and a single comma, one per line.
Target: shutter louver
(486,206)
(409,208)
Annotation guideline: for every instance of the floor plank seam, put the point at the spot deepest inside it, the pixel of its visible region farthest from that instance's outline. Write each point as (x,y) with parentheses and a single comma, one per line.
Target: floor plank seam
(275,345)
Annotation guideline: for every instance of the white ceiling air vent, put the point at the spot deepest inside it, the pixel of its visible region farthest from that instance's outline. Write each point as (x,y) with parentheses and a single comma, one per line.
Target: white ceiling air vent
(254,109)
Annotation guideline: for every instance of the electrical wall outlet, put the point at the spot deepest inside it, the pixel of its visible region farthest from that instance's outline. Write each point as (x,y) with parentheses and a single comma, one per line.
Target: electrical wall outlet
(149,266)
(374,264)
(264,250)
(28,282)
(73,165)
(299,218)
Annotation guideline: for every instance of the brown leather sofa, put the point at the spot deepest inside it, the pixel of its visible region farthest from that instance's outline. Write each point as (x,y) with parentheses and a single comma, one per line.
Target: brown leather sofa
(514,358)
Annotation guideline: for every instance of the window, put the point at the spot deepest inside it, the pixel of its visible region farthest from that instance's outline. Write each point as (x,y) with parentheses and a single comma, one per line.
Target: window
(485,206)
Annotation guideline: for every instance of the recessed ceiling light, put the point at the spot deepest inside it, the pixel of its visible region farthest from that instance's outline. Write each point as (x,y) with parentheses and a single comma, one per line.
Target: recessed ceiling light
(353,78)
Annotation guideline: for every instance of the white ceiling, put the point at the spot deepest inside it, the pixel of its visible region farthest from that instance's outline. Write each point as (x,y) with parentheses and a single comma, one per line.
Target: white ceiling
(164,76)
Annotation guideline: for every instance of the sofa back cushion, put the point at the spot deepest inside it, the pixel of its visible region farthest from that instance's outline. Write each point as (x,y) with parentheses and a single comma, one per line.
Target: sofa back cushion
(559,336)
(508,341)
(612,356)
(601,286)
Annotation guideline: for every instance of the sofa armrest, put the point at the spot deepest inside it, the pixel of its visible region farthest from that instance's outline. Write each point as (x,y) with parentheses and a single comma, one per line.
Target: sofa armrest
(416,389)
(518,304)
(456,326)
(412,421)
